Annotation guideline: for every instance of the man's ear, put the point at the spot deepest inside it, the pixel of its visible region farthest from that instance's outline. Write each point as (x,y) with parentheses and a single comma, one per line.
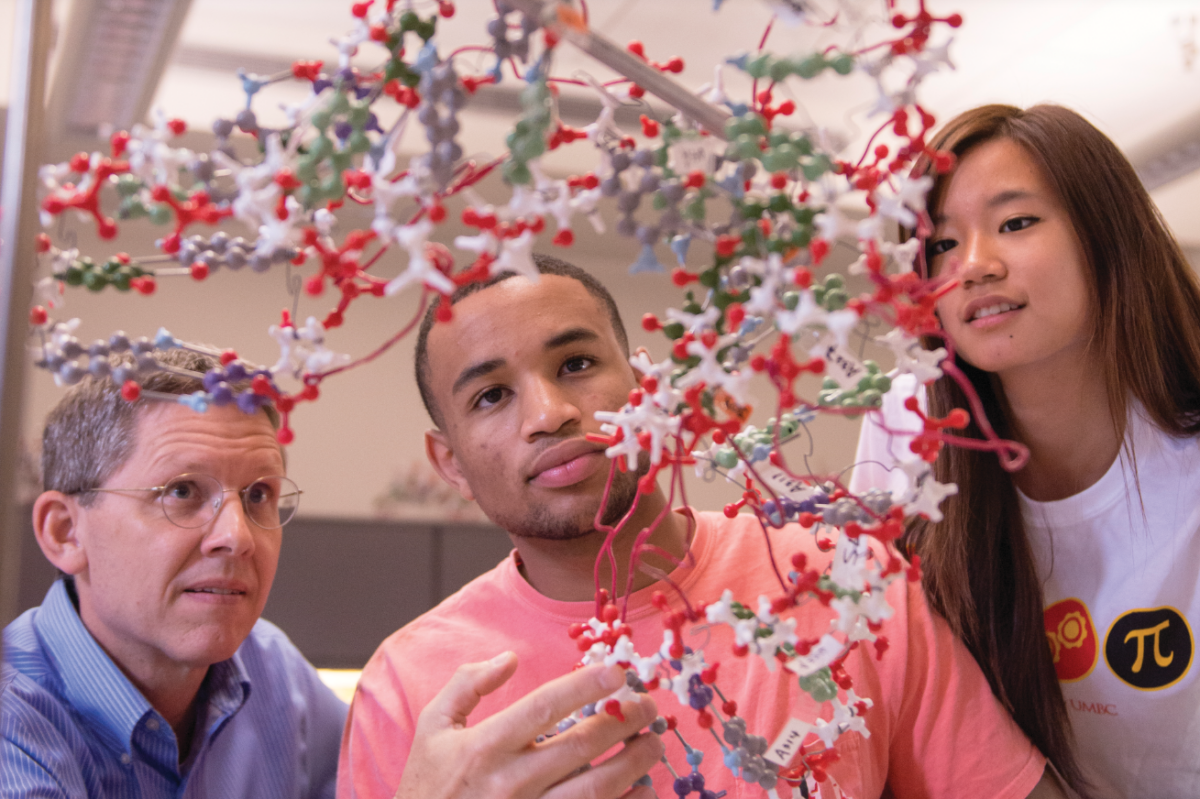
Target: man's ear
(55,524)
(441,458)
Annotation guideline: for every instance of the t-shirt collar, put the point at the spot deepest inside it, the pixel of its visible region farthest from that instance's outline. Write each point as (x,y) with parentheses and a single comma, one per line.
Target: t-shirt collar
(1141,439)
(640,604)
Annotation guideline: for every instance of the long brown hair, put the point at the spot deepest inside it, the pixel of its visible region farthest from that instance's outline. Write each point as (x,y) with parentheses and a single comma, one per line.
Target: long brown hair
(979,568)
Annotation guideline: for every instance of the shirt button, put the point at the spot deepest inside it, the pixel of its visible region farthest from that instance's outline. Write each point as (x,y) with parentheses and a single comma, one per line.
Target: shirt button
(152,724)
(125,758)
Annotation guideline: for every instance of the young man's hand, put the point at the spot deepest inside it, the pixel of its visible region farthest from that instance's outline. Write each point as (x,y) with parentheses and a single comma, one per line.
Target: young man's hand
(498,758)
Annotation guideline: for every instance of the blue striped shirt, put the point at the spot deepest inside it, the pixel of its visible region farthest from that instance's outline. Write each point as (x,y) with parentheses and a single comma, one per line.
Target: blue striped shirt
(72,725)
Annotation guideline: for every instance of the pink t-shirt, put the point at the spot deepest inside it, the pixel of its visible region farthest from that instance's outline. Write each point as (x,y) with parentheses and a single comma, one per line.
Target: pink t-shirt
(936,730)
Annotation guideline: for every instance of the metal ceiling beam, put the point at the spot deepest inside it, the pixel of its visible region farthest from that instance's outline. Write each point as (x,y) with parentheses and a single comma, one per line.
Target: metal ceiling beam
(617,58)
(1169,154)
(574,108)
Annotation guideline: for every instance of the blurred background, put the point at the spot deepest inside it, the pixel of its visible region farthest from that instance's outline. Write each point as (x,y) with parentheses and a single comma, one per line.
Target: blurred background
(380,539)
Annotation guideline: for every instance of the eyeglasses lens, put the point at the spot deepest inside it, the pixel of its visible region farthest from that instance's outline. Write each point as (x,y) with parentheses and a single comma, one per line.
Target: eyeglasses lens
(192,500)
(271,502)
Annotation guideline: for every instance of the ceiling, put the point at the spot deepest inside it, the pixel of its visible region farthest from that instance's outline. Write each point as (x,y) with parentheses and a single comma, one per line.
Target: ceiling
(1125,64)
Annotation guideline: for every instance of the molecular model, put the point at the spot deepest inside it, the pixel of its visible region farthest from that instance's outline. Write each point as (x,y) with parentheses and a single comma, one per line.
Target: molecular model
(725,175)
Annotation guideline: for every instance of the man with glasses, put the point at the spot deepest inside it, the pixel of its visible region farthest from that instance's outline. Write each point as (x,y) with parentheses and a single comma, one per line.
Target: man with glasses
(147,671)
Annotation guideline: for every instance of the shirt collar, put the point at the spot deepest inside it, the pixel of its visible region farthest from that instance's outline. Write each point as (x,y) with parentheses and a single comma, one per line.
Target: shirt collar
(100,692)
(227,687)
(92,684)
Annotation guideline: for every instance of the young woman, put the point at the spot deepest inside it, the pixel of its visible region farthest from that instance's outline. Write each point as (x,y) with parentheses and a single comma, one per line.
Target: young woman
(1076,318)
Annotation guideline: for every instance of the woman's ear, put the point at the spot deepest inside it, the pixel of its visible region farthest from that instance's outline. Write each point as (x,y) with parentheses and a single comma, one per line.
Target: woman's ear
(441,458)
(637,373)
(56,527)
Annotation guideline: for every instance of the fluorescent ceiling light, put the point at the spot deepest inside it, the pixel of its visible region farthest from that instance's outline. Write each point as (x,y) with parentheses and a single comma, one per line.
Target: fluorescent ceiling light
(109,62)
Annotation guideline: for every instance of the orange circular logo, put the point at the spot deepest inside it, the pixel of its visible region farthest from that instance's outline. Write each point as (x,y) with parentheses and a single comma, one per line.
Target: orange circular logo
(1072,639)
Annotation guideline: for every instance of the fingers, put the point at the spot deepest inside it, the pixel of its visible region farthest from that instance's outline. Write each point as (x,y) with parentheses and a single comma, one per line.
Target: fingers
(613,777)
(500,750)
(563,754)
(470,683)
(538,711)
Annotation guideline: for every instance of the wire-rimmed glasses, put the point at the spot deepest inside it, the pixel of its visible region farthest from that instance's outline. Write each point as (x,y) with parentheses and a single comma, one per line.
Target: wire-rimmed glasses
(193,500)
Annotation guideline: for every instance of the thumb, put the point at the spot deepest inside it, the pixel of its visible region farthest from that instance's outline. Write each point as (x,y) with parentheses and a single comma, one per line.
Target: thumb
(470,683)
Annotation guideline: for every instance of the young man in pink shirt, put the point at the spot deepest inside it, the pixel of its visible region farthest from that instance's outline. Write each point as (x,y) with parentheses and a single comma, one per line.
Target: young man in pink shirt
(513,383)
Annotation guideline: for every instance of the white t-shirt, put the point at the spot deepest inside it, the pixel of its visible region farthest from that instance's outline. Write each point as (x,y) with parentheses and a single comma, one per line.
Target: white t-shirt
(1121,577)
(879,451)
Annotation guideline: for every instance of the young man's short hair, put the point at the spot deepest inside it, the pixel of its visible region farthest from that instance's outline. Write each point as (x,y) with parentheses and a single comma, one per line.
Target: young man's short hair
(546,265)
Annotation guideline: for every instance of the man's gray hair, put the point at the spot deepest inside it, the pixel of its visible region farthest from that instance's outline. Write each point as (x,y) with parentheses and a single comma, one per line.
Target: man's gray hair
(91,432)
